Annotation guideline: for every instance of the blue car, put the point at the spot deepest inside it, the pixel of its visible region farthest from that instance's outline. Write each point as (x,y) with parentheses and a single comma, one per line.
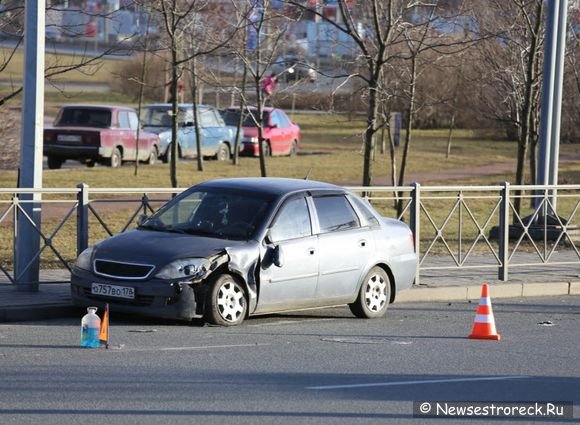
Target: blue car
(217,138)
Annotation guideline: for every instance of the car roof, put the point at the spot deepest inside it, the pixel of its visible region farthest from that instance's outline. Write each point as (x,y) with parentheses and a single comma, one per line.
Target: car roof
(253,108)
(91,106)
(277,186)
(179,105)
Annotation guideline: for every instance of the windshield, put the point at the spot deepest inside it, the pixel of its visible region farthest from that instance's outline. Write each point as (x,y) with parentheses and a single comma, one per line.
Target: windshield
(232,117)
(160,116)
(217,214)
(84,117)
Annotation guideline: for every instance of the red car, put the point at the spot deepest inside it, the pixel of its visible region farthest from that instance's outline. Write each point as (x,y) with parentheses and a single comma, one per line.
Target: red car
(103,134)
(281,135)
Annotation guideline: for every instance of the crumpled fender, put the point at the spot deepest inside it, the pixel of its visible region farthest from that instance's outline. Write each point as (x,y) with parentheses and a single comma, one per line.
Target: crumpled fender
(243,261)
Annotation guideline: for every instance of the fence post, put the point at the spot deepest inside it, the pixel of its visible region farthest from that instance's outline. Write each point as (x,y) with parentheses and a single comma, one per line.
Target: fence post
(504,232)
(82,218)
(415,224)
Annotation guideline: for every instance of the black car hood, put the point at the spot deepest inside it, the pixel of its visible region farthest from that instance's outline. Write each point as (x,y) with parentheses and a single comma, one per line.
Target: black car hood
(160,248)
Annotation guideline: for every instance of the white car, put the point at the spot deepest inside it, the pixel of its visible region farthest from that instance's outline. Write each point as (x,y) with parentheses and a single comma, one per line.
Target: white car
(293,67)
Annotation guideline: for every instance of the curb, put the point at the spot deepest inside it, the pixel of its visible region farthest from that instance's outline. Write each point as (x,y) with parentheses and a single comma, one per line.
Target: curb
(502,290)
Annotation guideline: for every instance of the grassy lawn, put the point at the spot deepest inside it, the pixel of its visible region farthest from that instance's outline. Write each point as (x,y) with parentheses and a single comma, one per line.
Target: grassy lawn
(332,151)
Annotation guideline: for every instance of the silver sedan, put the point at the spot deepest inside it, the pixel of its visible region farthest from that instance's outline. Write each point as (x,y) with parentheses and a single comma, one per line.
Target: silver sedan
(231,248)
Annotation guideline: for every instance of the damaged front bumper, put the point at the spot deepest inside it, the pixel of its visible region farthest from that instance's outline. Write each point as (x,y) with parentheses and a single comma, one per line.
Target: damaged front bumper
(154,297)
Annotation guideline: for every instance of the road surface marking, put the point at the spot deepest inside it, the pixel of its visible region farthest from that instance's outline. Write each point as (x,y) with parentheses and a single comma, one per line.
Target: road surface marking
(426,381)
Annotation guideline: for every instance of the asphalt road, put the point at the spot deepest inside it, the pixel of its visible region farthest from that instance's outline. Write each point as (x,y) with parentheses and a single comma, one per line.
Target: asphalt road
(318,367)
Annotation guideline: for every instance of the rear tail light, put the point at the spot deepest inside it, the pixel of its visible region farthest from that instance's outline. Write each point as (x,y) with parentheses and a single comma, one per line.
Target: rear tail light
(92,139)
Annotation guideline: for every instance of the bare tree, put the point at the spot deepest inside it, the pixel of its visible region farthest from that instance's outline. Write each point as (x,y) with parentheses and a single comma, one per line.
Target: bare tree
(264,29)
(511,71)
(180,19)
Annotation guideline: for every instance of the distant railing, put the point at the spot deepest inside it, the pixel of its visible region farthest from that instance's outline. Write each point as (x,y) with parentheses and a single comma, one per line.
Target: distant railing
(455,227)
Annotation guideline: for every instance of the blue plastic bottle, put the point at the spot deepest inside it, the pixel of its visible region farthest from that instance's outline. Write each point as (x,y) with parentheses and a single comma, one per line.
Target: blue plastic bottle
(90,329)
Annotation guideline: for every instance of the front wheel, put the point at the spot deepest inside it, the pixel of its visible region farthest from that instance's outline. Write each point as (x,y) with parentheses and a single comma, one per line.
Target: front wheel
(223,152)
(54,163)
(227,305)
(374,295)
(152,159)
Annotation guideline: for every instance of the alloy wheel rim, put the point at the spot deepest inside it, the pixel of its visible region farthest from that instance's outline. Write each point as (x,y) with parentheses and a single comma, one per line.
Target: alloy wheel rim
(230,302)
(376,293)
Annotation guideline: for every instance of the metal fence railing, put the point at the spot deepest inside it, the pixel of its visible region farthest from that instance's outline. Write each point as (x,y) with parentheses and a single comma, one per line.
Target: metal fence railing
(455,227)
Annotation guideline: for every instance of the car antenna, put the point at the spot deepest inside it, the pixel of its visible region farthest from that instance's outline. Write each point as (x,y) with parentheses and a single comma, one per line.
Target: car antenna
(307,176)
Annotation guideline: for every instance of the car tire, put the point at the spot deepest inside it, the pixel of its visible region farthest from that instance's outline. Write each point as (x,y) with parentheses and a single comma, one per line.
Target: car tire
(223,152)
(54,163)
(374,295)
(91,163)
(167,157)
(116,158)
(267,149)
(226,304)
(152,156)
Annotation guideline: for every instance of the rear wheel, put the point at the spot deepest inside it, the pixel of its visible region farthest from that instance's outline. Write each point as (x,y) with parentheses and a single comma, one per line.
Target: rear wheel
(226,303)
(54,163)
(374,295)
(91,163)
(116,158)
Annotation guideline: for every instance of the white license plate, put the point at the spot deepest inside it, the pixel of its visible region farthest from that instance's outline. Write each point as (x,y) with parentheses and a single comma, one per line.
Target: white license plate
(113,291)
(68,138)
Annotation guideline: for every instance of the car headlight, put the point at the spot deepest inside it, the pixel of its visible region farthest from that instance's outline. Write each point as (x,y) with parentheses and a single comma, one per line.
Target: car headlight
(164,139)
(84,260)
(189,268)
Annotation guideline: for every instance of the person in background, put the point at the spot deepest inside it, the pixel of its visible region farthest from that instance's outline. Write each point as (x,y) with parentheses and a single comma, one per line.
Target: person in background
(269,84)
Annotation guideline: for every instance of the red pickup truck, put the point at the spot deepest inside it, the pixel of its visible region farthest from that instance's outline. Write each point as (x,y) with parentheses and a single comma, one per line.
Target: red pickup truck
(103,134)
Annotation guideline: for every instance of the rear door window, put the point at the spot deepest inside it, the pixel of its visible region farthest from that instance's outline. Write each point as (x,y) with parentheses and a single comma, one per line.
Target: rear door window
(335,213)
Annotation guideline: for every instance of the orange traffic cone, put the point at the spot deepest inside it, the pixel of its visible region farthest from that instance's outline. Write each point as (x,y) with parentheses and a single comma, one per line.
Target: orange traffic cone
(104,333)
(484,325)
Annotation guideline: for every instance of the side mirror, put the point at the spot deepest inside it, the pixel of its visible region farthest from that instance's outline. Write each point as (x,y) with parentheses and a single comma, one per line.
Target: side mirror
(278,256)
(276,253)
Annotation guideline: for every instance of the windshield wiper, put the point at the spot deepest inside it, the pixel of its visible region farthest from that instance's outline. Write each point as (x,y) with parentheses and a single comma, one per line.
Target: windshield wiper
(157,228)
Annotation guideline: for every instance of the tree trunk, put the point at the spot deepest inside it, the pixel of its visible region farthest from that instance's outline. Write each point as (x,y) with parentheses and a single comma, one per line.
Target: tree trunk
(173,144)
(527,110)
(369,145)
(409,129)
(196,116)
(141,91)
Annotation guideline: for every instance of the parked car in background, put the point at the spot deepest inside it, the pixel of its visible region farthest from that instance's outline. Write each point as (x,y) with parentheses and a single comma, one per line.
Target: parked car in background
(294,67)
(281,135)
(217,139)
(98,134)
(227,249)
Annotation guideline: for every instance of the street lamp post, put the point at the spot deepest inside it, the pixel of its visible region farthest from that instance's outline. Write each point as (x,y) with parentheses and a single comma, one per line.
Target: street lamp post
(27,238)
(549,143)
